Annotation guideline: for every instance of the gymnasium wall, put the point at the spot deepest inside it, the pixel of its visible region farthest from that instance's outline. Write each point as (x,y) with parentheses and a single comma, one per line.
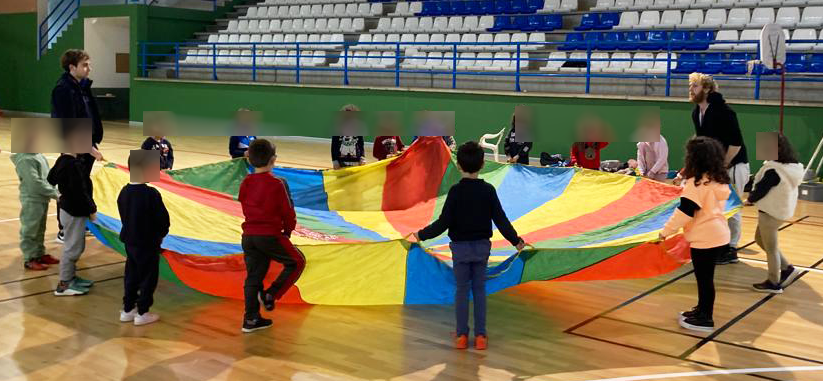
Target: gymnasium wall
(310,108)
(26,83)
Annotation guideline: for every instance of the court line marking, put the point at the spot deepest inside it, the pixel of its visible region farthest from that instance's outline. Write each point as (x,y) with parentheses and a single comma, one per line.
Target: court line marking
(662,354)
(18,218)
(754,260)
(715,340)
(53,274)
(737,318)
(52,291)
(661,376)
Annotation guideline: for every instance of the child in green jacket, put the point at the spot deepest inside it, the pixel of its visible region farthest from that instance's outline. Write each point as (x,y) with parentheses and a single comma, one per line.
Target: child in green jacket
(35,195)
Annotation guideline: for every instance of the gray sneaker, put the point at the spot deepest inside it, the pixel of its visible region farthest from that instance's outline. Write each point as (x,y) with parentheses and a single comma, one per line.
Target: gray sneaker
(70,289)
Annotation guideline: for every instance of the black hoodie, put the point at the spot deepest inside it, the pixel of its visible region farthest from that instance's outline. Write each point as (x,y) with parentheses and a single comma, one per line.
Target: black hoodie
(70,176)
(67,102)
(514,148)
(720,122)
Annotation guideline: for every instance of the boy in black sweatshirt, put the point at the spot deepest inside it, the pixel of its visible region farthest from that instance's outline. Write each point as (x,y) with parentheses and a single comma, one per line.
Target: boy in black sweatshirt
(76,205)
(470,208)
(160,143)
(145,223)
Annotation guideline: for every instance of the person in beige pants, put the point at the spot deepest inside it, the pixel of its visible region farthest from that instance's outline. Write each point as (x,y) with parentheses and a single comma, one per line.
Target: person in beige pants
(775,195)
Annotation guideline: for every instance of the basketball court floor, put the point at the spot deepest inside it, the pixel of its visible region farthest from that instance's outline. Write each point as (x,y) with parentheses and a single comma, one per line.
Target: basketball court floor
(570,331)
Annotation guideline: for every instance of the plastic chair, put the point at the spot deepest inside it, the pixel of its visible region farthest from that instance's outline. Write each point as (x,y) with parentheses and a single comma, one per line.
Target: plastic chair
(493,147)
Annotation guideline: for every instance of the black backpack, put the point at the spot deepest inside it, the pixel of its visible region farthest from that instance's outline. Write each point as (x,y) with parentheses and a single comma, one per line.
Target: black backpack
(555,160)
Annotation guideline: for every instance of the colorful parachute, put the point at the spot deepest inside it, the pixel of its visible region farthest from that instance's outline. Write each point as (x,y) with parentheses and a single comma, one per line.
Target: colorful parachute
(584,225)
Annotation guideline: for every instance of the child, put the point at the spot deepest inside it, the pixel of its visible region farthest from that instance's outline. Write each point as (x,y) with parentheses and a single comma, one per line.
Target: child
(270,219)
(470,208)
(516,149)
(35,194)
(160,143)
(347,151)
(653,159)
(587,154)
(387,146)
(145,222)
(73,180)
(244,122)
(700,214)
(775,194)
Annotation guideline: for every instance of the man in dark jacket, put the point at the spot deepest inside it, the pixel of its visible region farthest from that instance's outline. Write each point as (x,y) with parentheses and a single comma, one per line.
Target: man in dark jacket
(713,117)
(71,98)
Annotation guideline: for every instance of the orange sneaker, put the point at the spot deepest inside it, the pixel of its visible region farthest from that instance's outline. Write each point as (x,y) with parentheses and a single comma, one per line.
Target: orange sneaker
(481,342)
(461,342)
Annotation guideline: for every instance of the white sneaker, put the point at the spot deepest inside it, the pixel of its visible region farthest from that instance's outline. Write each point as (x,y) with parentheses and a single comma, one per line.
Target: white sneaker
(146,318)
(60,238)
(126,317)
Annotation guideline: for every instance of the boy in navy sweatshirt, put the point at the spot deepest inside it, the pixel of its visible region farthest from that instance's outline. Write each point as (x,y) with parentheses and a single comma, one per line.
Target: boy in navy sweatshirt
(160,143)
(76,206)
(470,208)
(145,223)
(270,219)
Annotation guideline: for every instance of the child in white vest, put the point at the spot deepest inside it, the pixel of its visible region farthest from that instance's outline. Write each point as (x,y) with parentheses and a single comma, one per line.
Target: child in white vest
(775,195)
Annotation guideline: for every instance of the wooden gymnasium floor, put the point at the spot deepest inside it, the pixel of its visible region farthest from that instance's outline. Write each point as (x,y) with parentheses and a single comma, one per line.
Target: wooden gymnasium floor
(539,331)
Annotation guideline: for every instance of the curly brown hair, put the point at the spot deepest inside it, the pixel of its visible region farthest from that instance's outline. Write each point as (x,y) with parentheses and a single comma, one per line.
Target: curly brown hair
(705,158)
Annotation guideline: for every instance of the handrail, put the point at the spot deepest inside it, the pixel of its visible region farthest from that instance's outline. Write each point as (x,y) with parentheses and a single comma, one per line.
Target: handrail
(286,56)
(73,5)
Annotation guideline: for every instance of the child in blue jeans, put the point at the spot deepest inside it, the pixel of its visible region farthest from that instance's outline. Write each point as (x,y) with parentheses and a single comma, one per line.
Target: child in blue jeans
(470,208)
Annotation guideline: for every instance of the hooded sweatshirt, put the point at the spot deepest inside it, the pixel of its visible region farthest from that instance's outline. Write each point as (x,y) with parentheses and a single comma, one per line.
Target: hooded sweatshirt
(32,170)
(653,158)
(74,183)
(775,189)
(700,214)
(720,122)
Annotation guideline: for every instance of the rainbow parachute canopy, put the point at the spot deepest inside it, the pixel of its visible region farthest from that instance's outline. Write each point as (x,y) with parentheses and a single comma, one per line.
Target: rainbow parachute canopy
(584,225)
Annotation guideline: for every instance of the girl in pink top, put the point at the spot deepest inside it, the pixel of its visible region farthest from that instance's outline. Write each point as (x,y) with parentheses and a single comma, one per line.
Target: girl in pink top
(700,214)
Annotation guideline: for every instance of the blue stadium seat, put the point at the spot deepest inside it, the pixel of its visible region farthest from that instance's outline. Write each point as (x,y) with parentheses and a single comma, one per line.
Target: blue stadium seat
(500,6)
(429,9)
(573,41)
(611,40)
(534,5)
(797,63)
(445,8)
(686,64)
(712,63)
(816,63)
(544,23)
(532,22)
(607,21)
(473,7)
(587,22)
(520,22)
(556,21)
(700,40)
(658,40)
(518,6)
(633,40)
(736,64)
(459,8)
(680,39)
(486,7)
(592,40)
(501,23)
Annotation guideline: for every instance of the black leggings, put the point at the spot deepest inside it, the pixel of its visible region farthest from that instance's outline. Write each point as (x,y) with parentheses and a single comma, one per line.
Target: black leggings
(703,261)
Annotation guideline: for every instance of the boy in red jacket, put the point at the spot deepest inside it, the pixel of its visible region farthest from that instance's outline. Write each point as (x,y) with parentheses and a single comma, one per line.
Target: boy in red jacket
(270,219)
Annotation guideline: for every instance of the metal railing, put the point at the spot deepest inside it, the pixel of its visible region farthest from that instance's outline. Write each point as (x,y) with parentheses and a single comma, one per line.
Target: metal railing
(263,57)
(68,9)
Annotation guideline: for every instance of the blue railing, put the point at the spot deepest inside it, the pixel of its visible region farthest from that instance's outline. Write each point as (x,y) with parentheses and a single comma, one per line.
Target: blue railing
(270,56)
(67,10)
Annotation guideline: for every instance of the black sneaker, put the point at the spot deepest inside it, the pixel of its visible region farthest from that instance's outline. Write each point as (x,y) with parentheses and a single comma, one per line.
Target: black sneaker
(727,258)
(767,286)
(266,299)
(698,323)
(255,324)
(788,275)
(688,314)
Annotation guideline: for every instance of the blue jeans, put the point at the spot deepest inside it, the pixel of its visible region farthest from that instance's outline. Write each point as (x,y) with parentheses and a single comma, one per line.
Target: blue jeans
(470,259)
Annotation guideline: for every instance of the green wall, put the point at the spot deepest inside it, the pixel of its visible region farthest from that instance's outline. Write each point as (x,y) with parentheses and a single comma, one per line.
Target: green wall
(26,83)
(308,112)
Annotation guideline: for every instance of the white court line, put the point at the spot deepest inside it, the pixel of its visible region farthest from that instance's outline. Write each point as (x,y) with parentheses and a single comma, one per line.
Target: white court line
(18,219)
(796,266)
(713,372)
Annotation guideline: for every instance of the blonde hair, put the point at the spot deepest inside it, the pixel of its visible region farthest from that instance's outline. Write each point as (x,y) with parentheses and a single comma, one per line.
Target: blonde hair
(705,80)
(350,107)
